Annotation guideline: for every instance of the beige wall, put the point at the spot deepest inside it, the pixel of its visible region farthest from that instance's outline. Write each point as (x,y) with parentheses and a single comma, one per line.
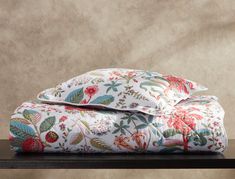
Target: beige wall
(46,42)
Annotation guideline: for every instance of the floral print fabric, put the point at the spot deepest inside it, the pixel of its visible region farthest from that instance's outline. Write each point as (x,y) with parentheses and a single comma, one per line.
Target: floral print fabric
(123,89)
(194,124)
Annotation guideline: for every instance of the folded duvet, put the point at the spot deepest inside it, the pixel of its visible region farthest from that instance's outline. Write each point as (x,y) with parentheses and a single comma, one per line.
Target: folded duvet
(195,124)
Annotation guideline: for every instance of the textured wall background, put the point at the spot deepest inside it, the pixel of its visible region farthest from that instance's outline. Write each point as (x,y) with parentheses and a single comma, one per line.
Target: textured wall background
(46,42)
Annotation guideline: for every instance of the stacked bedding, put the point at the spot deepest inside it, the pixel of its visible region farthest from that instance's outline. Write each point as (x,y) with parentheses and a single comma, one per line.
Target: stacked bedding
(119,111)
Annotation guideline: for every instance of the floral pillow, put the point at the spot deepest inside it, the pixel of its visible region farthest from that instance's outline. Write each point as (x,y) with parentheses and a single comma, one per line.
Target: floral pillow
(122,89)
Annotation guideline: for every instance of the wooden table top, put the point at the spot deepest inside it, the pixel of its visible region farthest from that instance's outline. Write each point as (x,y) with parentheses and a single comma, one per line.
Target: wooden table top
(9,159)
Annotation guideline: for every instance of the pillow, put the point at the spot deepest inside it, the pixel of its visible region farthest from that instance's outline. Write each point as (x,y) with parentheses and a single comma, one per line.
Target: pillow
(122,89)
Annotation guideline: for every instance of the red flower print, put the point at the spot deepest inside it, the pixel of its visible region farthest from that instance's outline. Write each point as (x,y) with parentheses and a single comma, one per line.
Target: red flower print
(63,118)
(137,137)
(84,101)
(51,137)
(91,90)
(179,84)
(183,121)
(122,142)
(32,145)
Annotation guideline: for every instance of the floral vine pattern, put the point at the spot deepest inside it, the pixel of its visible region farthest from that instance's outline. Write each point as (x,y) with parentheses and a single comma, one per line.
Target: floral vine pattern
(123,89)
(194,124)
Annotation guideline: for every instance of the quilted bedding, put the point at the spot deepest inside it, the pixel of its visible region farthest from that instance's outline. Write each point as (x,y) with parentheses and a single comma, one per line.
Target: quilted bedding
(195,124)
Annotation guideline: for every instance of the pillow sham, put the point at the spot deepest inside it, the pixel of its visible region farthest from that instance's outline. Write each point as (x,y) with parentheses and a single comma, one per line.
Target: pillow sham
(123,89)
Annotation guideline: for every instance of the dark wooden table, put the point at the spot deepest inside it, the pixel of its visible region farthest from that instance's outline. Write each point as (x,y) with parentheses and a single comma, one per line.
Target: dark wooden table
(9,159)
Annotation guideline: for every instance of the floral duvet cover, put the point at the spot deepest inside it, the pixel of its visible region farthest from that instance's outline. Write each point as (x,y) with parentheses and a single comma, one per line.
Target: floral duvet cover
(195,124)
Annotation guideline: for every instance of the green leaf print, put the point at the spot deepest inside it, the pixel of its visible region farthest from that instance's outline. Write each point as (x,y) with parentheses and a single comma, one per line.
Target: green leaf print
(129,117)
(142,118)
(141,126)
(47,124)
(32,116)
(150,119)
(106,99)
(21,130)
(204,132)
(16,142)
(170,132)
(120,128)
(150,123)
(75,96)
(112,86)
(199,138)
(21,120)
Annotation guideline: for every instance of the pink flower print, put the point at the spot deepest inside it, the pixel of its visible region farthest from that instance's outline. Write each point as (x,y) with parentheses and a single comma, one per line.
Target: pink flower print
(183,121)
(216,123)
(63,118)
(179,84)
